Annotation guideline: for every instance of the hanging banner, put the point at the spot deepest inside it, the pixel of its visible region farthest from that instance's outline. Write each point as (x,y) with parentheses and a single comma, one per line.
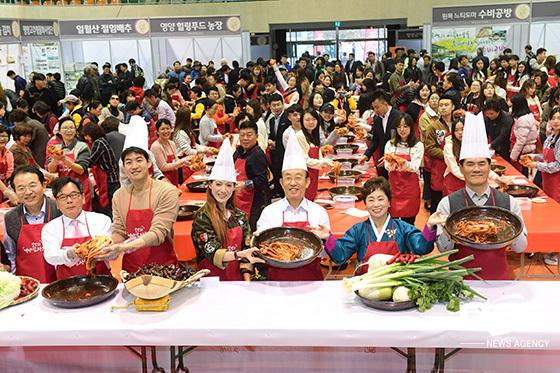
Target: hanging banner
(195,26)
(481,14)
(9,31)
(448,43)
(39,31)
(105,29)
(549,11)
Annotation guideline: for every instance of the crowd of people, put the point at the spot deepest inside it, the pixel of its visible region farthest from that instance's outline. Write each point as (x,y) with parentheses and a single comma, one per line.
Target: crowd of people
(114,150)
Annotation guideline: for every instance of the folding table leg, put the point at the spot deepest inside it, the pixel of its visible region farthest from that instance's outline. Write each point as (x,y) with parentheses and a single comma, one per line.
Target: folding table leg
(156,368)
(411,360)
(142,355)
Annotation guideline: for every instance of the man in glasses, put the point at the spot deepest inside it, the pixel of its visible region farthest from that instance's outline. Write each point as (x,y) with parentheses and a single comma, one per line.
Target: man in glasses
(62,235)
(24,223)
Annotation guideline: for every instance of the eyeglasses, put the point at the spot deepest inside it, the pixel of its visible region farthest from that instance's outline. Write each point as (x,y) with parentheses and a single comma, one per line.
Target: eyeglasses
(114,98)
(73,196)
(68,129)
(23,188)
(297,179)
(4,137)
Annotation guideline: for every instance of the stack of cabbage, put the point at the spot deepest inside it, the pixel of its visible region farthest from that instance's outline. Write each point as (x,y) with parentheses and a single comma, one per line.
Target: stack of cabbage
(9,288)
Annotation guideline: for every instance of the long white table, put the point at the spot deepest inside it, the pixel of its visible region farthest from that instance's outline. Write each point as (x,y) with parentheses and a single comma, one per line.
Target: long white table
(293,314)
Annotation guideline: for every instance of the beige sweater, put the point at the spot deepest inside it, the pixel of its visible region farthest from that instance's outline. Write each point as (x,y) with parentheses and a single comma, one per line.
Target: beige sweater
(165,205)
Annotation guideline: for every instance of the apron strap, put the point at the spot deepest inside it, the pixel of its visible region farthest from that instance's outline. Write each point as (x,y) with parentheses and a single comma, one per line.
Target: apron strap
(149,198)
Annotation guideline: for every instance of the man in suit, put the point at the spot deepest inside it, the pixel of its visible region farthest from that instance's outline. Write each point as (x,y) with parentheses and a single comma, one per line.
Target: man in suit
(277,122)
(350,67)
(384,123)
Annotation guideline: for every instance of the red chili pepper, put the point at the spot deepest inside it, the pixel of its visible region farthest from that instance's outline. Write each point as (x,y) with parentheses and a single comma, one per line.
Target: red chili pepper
(413,258)
(392,260)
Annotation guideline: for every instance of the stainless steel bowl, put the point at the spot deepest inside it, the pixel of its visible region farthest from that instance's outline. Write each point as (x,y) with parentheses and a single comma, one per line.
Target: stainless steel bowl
(514,227)
(311,243)
(198,186)
(354,147)
(346,191)
(346,174)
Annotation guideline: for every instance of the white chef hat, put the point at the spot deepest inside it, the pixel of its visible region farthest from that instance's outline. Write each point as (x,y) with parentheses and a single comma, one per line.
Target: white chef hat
(293,157)
(224,168)
(137,133)
(475,140)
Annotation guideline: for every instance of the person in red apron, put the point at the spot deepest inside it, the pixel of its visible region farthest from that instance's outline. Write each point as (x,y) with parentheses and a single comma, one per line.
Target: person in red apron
(453,179)
(75,160)
(22,134)
(23,225)
(405,180)
(549,162)
(6,163)
(166,154)
(209,134)
(251,169)
(220,231)
(524,132)
(475,166)
(380,233)
(62,235)
(310,143)
(143,215)
(397,83)
(435,141)
(296,211)
(220,117)
(104,167)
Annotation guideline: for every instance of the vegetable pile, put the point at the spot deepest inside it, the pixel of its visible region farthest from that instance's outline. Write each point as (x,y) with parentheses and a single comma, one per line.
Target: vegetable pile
(171,271)
(406,277)
(9,288)
(28,287)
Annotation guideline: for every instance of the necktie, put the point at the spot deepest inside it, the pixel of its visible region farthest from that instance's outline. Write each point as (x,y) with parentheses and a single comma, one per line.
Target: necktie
(77,231)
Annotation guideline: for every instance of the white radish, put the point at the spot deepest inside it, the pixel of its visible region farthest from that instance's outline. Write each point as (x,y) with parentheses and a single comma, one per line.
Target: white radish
(376,293)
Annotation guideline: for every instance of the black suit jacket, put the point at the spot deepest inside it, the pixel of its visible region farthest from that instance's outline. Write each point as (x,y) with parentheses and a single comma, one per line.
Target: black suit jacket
(277,154)
(381,137)
(350,67)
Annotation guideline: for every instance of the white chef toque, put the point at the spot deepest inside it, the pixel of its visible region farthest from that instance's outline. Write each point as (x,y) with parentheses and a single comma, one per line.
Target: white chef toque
(293,157)
(224,168)
(475,140)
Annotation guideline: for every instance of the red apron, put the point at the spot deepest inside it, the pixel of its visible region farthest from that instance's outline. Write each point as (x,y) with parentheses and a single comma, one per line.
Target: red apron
(30,260)
(215,144)
(245,197)
(64,170)
(138,223)
(101,182)
(3,172)
(187,172)
(438,169)
(311,191)
(493,262)
(234,244)
(64,271)
(551,182)
(173,175)
(309,272)
(406,191)
(536,113)
(384,247)
(452,183)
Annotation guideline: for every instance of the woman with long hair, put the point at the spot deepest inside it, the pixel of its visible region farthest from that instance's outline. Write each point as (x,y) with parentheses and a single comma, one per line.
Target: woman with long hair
(417,107)
(453,178)
(529,90)
(309,140)
(303,87)
(404,179)
(220,231)
(488,93)
(469,100)
(478,72)
(524,133)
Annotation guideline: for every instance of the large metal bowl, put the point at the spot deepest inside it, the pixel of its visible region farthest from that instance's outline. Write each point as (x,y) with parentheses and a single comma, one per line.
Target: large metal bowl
(198,186)
(387,305)
(186,212)
(346,174)
(349,138)
(312,244)
(522,191)
(499,169)
(354,147)
(485,213)
(80,291)
(347,191)
(352,161)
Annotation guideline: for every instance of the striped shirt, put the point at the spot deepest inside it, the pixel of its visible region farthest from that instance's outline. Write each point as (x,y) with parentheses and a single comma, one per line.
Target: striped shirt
(102,154)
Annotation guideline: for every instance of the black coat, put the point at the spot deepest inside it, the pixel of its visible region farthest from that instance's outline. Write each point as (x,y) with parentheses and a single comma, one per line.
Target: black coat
(86,88)
(32,95)
(381,137)
(499,131)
